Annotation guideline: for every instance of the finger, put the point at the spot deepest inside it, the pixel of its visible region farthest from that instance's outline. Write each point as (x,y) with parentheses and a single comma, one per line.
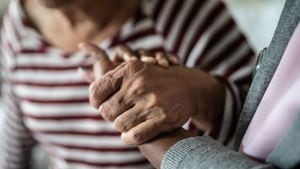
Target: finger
(148,59)
(98,70)
(162,59)
(143,52)
(116,59)
(129,58)
(130,118)
(106,86)
(125,53)
(173,59)
(142,132)
(100,56)
(87,75)
(101,89)
(146,56)
(114,106)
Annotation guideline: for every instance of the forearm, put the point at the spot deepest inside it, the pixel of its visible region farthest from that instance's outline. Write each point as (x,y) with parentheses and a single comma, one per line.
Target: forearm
(205,152)
(178,149)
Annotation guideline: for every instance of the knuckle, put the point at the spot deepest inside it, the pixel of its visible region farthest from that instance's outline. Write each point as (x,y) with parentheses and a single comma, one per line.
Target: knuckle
(93,95)
(163,118)
(93,103)
(154,100)
(135,137)
(92,90)
(169,119)
(137,87)
(137,91)
(133,65)
(140,82)
(106,112)
(120,125)
(120,100)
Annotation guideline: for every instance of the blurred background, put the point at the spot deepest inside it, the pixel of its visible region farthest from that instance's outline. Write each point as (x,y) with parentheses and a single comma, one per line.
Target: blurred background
(257,18)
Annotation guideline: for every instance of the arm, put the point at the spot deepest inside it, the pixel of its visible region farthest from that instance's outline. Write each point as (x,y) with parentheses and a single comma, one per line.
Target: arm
(178,149)
(155,149)
(204,36)
(17,141)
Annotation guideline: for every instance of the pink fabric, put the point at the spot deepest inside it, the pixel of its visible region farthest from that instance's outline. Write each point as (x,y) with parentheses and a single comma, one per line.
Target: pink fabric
(279,106)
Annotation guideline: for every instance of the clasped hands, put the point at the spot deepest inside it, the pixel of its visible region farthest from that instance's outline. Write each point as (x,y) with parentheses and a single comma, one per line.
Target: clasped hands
(149,93)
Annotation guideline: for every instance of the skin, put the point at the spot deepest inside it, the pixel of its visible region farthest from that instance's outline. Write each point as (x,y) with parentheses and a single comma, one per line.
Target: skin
(122,54)
(142,100)
(56,3)
(155,149)
(79,20)
(85,20)
(145,100)
(149,104)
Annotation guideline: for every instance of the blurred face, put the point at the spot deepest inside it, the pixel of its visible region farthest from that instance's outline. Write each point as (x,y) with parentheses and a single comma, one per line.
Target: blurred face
(57,3)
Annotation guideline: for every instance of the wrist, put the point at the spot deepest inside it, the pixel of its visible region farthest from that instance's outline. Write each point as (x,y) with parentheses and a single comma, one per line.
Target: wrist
(209,94)
(155,149)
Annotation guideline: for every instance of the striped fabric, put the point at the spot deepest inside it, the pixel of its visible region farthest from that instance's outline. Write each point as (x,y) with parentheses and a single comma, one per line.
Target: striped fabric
(46,101)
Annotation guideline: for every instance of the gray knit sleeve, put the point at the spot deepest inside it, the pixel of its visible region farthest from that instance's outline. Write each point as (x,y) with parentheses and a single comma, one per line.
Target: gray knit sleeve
(206,153)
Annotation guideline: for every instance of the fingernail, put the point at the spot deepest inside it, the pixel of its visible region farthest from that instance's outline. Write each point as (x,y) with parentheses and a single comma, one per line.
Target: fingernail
(133,58)
(147,59)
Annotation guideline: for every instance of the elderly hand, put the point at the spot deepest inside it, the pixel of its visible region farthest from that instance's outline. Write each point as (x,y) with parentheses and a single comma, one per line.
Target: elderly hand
(122,54)
(144,100)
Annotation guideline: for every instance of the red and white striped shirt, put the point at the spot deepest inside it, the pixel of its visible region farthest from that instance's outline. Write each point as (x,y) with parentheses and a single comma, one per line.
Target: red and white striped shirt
(46,101)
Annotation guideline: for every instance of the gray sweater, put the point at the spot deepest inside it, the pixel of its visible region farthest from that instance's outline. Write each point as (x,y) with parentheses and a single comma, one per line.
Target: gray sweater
(205,153)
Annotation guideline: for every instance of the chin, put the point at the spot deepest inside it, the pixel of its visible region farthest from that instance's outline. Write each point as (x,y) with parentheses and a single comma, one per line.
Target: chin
(56,3)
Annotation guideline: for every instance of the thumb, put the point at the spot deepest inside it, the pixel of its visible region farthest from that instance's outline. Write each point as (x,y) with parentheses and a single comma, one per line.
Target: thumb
(103,63)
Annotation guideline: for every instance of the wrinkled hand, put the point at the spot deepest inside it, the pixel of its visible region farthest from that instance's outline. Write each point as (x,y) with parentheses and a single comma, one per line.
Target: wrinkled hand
(122,54)
(144,100)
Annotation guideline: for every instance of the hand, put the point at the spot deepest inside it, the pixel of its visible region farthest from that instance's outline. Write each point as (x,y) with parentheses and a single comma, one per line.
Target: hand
(144,100)
(154,150)
(122,54)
